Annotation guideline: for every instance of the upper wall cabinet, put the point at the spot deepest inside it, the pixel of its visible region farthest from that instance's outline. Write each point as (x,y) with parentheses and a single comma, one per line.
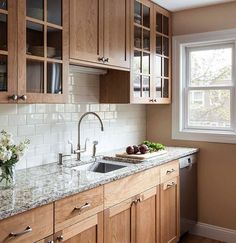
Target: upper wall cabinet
(43,52)
(149,81)
(100,33)
(8,51)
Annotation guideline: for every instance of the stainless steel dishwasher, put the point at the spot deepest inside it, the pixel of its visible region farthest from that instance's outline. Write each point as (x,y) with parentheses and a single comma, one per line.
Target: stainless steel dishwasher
(188,193)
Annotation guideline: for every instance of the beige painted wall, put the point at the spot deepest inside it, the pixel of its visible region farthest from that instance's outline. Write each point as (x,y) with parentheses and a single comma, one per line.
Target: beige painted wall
(217,162)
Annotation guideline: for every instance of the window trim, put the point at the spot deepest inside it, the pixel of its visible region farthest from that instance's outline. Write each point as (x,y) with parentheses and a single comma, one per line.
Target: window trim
(180,45)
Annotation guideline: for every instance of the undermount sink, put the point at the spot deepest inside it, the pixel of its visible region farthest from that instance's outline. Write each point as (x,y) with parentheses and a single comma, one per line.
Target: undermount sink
(99,167)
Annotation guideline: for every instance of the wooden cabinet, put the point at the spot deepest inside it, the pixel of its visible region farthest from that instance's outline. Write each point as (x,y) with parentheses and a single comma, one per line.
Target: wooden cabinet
(169,211)
(8,51)
(28,227)
(89,230)
(43,58)
(79,218)
(134,209)
(134,220)
(34,51)
(100,33)
(149,81)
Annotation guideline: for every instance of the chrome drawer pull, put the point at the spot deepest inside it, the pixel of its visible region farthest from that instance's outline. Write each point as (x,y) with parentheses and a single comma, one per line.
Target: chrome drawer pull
(26,231)
(86,205)
(170,171)
(171,185)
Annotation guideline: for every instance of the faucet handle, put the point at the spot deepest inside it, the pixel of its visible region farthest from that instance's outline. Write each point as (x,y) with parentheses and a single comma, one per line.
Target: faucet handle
(85,145)
(71,146)
(95,143)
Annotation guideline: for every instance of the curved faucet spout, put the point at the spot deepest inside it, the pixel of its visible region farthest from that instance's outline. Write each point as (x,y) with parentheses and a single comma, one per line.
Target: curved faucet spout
(79,127)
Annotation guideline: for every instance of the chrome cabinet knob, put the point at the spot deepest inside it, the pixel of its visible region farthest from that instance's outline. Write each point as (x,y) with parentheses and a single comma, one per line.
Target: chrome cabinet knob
(13,97)
(60,238)
(101,59)
(23,97)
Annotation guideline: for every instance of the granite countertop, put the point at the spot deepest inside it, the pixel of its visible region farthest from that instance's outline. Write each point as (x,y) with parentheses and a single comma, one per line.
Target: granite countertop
(45,184)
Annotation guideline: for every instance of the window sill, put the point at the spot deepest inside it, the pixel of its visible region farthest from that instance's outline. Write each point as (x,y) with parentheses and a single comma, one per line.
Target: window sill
(205,136)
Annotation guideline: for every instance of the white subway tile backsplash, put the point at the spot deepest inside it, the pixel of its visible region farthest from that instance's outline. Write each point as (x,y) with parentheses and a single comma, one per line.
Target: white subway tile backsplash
(27,130)
(8,109)
(50,126)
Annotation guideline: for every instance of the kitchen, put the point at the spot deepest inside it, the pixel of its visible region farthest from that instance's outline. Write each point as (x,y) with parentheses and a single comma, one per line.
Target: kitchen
(80,80)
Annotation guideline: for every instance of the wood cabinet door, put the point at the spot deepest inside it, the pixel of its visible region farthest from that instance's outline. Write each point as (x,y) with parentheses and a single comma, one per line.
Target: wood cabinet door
(169,210)
(147,217)
(86,30)
(8,51)
(43,51)
(89,230)
(117,33)
(119,223)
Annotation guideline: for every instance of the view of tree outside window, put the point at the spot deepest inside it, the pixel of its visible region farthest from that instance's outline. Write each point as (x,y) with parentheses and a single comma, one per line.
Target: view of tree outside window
(210,87)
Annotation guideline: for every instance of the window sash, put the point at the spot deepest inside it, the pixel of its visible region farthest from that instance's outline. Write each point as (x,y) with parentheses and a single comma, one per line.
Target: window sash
(205,48)
(186,88)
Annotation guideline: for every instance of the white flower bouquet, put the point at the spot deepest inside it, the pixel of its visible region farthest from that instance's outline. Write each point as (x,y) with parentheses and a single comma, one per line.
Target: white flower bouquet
(10,154)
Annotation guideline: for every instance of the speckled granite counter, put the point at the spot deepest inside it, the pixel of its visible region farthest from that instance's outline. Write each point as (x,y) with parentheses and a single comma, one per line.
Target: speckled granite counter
(41,185)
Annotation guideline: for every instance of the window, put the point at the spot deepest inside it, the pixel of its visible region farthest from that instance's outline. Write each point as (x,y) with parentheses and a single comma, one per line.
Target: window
(204,87)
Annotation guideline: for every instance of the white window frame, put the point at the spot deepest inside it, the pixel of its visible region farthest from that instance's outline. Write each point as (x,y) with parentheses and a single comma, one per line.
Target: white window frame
(181,45)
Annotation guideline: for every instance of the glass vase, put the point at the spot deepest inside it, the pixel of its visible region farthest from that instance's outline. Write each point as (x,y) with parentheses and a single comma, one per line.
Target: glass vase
(7,180)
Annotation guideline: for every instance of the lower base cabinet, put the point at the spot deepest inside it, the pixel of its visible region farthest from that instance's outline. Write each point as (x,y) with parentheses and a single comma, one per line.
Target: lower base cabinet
(134,220)
(89,230)
(169,211)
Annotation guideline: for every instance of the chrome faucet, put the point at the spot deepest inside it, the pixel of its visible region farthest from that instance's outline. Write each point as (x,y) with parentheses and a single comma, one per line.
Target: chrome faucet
(79,150)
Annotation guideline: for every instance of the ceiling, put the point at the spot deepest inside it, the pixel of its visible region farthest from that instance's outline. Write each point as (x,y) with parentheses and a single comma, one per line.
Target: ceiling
(176,5)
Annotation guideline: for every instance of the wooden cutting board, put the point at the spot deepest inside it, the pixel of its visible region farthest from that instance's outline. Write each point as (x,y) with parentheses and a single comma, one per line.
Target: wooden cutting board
(141,156)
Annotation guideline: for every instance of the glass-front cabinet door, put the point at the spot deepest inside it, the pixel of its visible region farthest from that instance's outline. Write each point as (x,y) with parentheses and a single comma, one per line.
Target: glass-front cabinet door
(162,57)
(43,50)
(142,49)
(8,51)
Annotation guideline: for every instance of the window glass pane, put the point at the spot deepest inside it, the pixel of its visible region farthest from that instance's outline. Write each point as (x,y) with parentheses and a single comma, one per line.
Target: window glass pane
(3,73)
(146,40)
(54,78)
(210,67)
(146,86)
(158,44)
(34,9)
(158,66)
(137,12)
(165,88)
(35,76)
(137,86)
(209,108)
(146,63)
(146,16)
(137,37)
(165,46)
(3,32)
(165,25)
(165,67)
(54,43)
(158,88)
(159,22)
(54,11)
(3,4)
(35,39)
(137,61)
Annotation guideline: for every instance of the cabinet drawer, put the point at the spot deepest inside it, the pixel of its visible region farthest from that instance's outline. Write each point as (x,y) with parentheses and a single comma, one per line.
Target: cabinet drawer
(28,227)
(169,171)
(120,190)
(73,209)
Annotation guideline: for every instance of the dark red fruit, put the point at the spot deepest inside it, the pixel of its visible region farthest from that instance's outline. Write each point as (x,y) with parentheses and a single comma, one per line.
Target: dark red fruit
(136,149)
(143,149)
(130,150)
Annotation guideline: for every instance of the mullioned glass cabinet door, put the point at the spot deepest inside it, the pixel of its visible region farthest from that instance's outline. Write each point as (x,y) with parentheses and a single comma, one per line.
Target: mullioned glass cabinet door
(44,25)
